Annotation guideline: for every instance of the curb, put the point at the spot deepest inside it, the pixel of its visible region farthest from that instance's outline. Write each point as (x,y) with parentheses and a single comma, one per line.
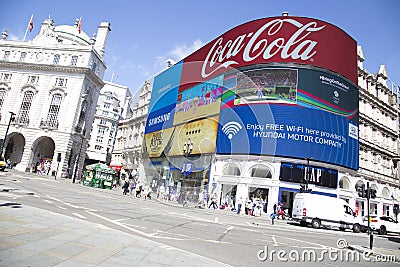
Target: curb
(366,252)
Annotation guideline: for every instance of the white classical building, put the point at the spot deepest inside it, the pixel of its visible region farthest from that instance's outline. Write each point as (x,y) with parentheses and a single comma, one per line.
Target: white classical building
(112,106)
(52,85)
(127,151)
(379,145)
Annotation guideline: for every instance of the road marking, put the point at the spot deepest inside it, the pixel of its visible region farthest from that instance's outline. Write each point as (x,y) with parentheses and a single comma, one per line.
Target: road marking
(78,215)
(48,201)
(62,208)
(120,224)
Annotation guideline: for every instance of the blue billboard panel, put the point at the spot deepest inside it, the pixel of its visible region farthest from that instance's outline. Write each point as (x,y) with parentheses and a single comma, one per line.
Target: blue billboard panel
(163,99)
(288,130)
(160,119)
(165,88)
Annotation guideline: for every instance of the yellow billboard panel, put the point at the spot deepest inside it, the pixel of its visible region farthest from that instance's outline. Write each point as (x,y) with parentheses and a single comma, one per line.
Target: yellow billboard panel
(157,141)
(200,135)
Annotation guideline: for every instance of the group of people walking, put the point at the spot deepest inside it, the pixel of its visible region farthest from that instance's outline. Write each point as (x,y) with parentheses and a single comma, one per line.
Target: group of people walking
(135,187)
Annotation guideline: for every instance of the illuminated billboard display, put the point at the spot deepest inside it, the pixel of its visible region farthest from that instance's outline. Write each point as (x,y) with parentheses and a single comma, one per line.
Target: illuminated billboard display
(277,39)
(281,86)
(290,112)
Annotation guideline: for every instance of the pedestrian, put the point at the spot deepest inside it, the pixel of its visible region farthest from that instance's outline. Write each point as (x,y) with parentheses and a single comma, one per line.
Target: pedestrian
(131,187)
(213,201)
(125,187)
(239,204)
(138,189)
(272,216)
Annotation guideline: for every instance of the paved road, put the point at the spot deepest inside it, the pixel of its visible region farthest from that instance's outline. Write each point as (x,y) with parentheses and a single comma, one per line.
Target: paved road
(103,228)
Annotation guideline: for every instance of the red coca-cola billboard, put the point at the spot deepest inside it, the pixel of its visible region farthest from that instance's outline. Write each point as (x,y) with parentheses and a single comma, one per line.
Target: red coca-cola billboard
(282,39)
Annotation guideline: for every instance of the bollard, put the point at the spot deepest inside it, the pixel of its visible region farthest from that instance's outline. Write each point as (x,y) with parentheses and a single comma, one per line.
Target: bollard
(371,240)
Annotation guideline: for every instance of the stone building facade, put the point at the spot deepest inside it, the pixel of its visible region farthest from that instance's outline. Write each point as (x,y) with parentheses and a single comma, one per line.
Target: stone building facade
(52,85)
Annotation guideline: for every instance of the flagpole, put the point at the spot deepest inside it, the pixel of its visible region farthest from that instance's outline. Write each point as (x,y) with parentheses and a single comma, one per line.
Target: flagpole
(27,28)
(112,76)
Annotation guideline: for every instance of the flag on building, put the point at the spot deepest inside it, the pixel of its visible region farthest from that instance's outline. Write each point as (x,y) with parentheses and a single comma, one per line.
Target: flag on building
(30,26)
(80,25)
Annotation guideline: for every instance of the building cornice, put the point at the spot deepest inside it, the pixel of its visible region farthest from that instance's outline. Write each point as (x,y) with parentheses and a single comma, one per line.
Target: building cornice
(367,120)
(52,68)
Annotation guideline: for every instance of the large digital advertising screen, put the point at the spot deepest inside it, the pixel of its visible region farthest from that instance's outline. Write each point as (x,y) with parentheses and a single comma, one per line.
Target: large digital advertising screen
(283,39)
(281,86)
(290,112)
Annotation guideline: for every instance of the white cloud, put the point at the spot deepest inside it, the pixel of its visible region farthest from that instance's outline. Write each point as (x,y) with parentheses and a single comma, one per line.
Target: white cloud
(184,50)
(13,37)
(177,54)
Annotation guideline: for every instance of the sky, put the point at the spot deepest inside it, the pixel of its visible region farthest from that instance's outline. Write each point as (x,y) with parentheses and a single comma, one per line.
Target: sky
(144,34)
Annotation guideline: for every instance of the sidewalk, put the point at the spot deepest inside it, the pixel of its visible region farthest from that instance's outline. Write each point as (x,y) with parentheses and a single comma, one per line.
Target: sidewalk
(35,237)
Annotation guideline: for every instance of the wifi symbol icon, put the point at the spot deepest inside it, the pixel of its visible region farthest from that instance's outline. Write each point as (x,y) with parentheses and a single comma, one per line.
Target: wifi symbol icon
(231,128)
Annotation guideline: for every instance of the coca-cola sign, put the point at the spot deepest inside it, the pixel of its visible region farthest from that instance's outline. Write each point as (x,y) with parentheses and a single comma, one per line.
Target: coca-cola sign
(280,39)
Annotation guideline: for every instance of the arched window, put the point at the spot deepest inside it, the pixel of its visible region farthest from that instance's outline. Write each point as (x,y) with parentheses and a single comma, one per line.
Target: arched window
(344,184)
(231,169)
(23,115)
(261,171)
(52,116)
(386,193)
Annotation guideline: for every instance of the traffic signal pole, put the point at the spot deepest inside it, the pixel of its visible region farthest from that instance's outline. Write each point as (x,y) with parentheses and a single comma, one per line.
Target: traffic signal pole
(370,234)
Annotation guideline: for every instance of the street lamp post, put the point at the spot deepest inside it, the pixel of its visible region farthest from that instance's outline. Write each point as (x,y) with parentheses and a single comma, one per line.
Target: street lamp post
(187,149)
(307,178)
(77,158)
(5,136)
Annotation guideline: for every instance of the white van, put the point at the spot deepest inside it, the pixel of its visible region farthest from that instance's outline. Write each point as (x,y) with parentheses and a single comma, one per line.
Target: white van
(324,211)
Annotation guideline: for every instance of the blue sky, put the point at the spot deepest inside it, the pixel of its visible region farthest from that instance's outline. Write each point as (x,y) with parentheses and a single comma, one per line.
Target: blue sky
(144,34)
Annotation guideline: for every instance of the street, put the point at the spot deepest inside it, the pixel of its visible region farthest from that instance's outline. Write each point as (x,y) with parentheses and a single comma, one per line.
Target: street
(218,235)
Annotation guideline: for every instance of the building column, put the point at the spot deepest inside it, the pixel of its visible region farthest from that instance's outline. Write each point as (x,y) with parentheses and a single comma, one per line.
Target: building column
(24,165)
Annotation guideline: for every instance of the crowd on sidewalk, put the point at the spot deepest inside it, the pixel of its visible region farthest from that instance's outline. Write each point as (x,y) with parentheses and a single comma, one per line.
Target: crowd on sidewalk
(250,206)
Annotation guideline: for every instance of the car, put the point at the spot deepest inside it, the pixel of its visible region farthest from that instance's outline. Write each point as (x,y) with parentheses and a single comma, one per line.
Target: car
(384,224)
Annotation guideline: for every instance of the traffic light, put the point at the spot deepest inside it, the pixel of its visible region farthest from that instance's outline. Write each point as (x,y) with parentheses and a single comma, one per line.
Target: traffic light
(361,191)
(302,188)
(373,193)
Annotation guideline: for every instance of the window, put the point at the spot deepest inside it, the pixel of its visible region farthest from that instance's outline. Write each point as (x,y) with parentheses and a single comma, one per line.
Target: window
(105,113)
(94,66)
(101,130)
(261,171)
(99,139)
(6,55)
(23,116)
(5,77)
(231,170)
(61,82)
(56,59)
(52,116)
(103,122)
(106,105)
(33,79)
(97,147)
(22,57)
(108,97)
(2,96)
(74,60)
